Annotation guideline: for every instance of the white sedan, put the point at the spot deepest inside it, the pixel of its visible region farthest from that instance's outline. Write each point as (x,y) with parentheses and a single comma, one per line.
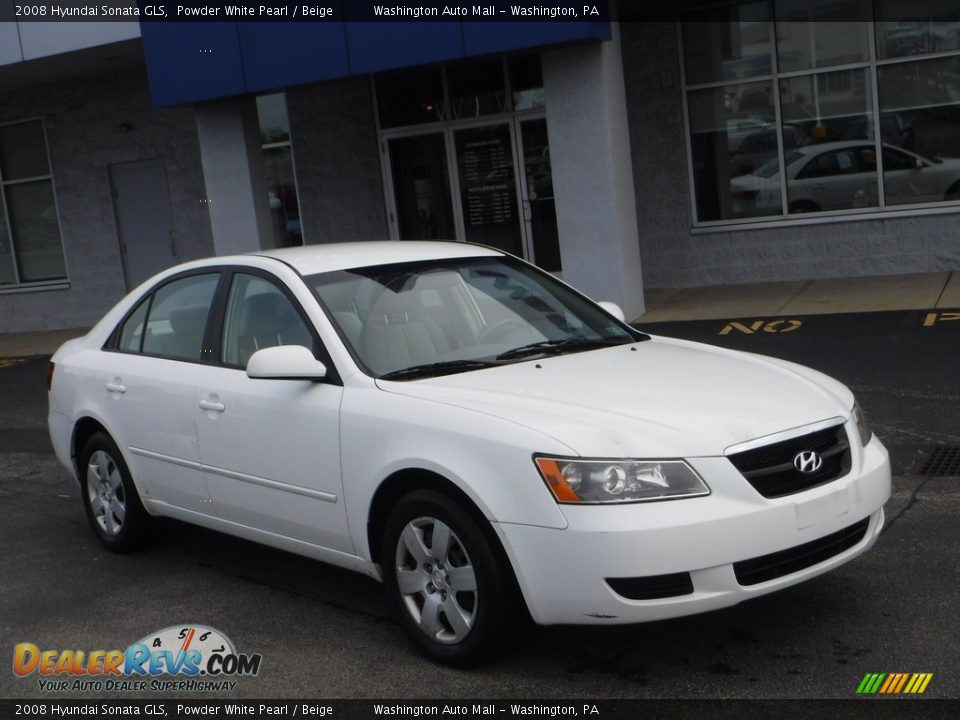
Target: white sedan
(843,175)
(466,428)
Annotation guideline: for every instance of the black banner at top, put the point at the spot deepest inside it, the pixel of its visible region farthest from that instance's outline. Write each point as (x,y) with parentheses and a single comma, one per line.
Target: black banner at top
(302,11)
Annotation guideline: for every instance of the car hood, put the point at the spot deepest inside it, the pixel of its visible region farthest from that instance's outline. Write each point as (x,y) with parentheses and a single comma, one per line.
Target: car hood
(658,398)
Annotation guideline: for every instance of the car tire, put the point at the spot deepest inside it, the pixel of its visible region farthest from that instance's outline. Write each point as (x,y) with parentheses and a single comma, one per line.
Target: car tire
(110,498)
(452,596)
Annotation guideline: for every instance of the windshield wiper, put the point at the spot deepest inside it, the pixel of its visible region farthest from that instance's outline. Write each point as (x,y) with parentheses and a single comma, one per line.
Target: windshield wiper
(437,368)
(559,346)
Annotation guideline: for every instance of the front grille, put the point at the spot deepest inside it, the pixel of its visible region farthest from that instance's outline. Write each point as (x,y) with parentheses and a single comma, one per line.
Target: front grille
(652,587)
(775,565)
(771,471)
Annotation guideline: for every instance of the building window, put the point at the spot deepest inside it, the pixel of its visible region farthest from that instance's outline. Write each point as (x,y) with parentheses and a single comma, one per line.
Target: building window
(30,247)
(812,107)
(281,178)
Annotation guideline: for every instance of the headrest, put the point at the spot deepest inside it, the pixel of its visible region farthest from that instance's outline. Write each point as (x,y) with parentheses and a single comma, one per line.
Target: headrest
(266,314)
(189,320)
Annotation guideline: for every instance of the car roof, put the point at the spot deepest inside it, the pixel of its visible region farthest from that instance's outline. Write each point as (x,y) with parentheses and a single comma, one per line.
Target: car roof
(327,257)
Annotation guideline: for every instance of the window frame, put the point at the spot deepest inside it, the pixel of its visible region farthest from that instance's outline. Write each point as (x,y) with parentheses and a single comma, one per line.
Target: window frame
(871,67)
(216,319)
(113,342)
(18,284)
(220,314)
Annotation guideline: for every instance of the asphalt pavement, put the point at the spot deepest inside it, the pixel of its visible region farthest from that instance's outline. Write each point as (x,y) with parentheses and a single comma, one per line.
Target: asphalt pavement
(325,632)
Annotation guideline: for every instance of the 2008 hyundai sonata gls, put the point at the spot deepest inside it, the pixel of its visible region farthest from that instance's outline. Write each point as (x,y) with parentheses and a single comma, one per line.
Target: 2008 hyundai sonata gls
(466,428)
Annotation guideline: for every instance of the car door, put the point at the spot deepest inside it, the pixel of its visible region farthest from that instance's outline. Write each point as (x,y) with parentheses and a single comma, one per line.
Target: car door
(148,374)
(270,448)
(908,179)
(835,180)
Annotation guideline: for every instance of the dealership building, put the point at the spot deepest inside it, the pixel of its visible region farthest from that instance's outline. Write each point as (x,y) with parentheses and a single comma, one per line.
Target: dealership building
(724,143)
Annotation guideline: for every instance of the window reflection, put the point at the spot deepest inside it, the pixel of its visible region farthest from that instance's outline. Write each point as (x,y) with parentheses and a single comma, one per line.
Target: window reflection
(278,165)
(820,33)
(920,105)
(727,43)
(410,97)
(476,88)
(831,110)
(818,142)
(912,28)
(526,81)
(733,133)
(274,122)
(30,245)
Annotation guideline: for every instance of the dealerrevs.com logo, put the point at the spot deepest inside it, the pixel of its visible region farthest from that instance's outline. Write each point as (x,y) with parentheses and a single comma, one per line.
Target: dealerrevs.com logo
(200,658)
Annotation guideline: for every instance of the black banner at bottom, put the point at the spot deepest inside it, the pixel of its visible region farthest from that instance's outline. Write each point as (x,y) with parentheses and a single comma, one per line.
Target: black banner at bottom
(857,708)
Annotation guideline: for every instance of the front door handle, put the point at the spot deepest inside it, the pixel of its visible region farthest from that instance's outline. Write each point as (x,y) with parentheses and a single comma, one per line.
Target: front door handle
(116,386)
(211,405)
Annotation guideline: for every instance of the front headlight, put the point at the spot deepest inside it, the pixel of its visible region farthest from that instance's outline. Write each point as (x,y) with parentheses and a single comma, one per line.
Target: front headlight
(619,481)
(865,432)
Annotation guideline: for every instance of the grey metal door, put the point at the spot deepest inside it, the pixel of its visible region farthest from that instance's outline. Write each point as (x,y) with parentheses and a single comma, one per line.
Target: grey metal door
(141,200)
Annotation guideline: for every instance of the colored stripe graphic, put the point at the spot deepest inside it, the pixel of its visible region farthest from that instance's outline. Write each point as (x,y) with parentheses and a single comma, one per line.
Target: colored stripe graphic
(894,683)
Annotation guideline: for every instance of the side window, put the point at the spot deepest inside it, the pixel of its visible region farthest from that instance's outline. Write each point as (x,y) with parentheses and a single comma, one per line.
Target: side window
(178,317)
(893,160)
(259,316)
(131,334)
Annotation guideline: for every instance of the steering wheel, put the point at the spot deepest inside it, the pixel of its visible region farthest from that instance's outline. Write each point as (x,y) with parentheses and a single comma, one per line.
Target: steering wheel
(500,329)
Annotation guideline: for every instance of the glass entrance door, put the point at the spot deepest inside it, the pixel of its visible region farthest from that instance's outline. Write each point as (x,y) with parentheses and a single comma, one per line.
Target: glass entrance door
(488,187)
(488,183)
(421,188)
(539,210)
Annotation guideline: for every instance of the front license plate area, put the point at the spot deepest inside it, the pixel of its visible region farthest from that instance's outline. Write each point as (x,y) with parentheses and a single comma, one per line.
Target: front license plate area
(821,509)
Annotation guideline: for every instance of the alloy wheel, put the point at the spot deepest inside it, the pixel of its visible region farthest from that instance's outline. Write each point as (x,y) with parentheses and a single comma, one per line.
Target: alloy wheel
(436,580)
(106,493)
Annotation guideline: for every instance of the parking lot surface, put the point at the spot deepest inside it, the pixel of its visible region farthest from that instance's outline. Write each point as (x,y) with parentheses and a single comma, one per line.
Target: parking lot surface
(325,632)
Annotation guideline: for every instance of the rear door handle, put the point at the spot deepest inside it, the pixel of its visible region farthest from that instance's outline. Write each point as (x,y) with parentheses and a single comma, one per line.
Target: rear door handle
(116,386)
(214,406)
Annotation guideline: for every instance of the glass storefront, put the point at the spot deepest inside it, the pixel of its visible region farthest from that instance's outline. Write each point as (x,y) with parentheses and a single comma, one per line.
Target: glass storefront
(466,155)
(278,162)
(810,107)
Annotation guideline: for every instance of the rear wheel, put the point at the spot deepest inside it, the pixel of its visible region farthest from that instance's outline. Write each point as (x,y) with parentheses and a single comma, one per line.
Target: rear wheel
(450,591)
(109,497)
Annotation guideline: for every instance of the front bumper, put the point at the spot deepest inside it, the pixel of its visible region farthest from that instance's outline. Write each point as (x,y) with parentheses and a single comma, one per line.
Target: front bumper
(562,572)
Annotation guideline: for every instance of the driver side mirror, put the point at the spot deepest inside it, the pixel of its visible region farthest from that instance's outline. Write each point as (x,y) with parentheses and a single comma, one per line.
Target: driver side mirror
(285,362)
(613,309)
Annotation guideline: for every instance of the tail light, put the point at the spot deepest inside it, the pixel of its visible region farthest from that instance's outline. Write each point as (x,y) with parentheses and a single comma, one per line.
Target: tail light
(50,367)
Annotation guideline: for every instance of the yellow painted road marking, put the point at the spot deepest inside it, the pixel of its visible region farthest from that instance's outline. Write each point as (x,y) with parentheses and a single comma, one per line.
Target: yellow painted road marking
(932,318)
(767,326)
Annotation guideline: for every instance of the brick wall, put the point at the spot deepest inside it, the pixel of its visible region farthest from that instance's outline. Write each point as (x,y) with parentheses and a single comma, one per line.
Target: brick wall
(83,119)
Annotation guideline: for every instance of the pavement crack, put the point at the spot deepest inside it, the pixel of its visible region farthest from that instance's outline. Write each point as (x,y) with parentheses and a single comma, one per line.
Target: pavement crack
(914,499)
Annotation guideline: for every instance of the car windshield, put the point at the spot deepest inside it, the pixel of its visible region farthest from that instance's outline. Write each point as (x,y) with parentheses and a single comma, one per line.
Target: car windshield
(421,319)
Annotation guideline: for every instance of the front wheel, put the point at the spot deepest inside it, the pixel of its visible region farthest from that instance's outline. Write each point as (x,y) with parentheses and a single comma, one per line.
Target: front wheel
(449,589)
(109,497)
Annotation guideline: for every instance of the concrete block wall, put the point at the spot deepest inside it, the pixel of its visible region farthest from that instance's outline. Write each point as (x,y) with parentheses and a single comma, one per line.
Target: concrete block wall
(91,123)
(337,162)
(673,256)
